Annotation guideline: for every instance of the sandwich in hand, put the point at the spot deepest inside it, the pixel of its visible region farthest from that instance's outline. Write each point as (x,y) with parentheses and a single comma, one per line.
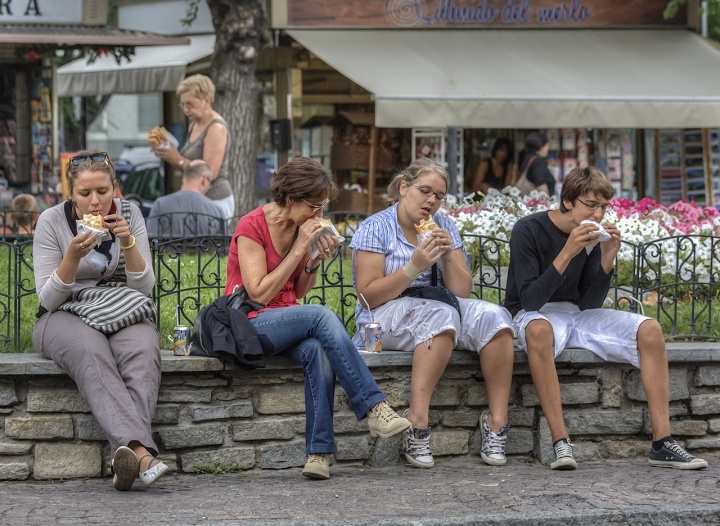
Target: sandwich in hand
(157,136)
(424,230)
(329,228)
(604,235)
(425,226)
(92,221)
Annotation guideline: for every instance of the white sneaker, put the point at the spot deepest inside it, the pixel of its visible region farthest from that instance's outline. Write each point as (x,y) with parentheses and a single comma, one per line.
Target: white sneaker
(493,445)
(416,446)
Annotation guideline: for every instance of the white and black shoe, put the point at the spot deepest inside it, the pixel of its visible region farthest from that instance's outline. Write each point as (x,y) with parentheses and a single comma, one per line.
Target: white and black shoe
(564,459)
(671,455)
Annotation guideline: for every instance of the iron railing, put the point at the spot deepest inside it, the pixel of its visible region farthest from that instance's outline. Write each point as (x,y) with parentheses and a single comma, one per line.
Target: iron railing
(675,280)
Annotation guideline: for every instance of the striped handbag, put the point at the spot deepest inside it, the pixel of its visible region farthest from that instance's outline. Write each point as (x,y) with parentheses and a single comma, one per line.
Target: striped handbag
(110,307)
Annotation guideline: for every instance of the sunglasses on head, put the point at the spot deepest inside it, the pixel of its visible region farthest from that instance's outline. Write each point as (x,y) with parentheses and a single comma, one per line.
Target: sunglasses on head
(97,157)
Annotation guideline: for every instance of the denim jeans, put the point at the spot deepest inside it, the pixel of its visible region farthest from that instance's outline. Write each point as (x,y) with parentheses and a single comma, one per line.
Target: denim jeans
(315,338)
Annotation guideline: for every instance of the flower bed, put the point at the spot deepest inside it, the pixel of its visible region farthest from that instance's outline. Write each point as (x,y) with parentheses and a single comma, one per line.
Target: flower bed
(644,221)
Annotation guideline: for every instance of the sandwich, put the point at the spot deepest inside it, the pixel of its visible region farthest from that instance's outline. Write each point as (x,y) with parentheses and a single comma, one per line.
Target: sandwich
(92,221)
(325,222)
(157,136)
(604,236)
(425,226)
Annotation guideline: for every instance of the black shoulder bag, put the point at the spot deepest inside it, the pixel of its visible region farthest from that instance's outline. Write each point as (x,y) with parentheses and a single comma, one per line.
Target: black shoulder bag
(237,300)
(433,292)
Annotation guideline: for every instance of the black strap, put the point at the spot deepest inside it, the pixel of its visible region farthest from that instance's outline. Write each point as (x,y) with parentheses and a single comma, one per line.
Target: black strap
(433,275)
(297,230)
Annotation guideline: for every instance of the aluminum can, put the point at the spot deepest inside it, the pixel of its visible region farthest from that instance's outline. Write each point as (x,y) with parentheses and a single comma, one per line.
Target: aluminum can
(181,340)
(373,337)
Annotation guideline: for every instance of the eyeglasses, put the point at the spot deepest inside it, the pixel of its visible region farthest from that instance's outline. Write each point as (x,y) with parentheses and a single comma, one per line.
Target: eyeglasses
(97,157)
(427,191)
(315,208)
(595,206)
(189,104)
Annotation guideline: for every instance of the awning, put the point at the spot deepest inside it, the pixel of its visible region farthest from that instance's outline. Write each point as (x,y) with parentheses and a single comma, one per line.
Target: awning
(517,78)
(159,68)
(80,35)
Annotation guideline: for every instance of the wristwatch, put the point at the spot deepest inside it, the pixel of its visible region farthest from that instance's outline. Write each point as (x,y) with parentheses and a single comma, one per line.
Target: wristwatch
(181,162)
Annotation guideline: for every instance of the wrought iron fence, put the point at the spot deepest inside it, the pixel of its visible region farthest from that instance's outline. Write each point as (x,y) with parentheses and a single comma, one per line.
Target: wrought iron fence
(675,280)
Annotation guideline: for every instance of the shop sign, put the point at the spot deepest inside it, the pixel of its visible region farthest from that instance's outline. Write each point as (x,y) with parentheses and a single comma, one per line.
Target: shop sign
(418,14)
(41,11)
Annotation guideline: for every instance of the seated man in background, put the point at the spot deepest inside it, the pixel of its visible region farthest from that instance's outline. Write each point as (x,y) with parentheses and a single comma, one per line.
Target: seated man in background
(561,262)
(187,212)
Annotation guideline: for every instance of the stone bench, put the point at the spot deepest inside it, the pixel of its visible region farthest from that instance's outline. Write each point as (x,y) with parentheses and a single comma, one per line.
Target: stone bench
(215,418)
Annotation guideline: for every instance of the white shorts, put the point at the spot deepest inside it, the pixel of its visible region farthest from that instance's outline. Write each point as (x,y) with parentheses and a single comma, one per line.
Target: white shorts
(407,322)
(608,333)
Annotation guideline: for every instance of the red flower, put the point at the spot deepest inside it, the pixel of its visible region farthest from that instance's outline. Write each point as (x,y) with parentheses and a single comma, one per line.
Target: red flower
(32,55)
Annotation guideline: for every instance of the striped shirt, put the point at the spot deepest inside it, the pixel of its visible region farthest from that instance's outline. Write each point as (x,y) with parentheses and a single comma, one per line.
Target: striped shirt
(381,233)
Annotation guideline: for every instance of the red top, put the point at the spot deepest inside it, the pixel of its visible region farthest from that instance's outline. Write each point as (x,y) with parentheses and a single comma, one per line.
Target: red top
(254,227)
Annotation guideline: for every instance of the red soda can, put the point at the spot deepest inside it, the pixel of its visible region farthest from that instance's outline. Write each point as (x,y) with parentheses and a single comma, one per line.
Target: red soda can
(373,337)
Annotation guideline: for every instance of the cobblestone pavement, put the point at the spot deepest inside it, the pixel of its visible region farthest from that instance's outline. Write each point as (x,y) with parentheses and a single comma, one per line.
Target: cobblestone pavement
(454,492)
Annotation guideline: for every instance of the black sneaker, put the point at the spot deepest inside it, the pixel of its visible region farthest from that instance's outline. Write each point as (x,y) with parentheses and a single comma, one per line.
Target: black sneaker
(673,456)
(563,455)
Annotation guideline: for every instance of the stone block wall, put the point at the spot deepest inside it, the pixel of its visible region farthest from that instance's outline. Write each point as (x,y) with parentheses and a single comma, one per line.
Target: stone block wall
(208,417)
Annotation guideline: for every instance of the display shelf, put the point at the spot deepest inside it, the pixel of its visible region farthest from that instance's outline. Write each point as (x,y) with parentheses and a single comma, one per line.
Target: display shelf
(670,165)
(688,166)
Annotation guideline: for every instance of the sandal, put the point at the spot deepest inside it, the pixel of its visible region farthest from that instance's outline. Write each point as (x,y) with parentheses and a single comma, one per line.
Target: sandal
(153,473)
(125,466)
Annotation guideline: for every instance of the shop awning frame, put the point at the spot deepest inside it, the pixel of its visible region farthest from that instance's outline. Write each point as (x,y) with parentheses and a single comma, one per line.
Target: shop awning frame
(151,69)
(81,35)
(535,78)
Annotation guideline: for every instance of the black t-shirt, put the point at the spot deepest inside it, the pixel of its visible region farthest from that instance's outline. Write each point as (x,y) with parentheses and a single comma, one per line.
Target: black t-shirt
(538,174)
(534,281)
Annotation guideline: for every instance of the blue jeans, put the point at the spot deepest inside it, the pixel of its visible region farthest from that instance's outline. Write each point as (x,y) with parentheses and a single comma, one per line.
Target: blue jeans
(314,337)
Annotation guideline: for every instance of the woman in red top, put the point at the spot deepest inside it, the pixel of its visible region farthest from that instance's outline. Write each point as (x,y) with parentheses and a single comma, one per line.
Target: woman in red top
(271,255)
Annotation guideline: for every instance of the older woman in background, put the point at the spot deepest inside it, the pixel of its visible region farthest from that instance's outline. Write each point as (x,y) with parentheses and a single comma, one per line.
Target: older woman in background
(207,139)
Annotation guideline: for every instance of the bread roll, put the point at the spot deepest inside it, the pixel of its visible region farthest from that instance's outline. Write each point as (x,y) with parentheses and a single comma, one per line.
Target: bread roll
(157,136)
(425,226)
(92,221)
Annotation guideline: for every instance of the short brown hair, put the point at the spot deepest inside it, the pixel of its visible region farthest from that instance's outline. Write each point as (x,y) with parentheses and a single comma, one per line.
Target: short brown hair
(412,173)
(199,86)
(302,178)
(581,181)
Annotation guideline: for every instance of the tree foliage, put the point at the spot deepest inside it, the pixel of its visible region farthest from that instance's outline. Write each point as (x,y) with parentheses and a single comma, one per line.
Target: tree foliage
(713,15)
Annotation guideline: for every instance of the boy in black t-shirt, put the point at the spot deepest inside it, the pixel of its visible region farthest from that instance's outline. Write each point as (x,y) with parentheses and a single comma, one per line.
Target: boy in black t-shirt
(558,278)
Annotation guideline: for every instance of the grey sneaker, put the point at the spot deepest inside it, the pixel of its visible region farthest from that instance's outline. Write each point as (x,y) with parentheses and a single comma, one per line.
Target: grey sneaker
(493,445)
(673,456)
(416,447)
(563,455)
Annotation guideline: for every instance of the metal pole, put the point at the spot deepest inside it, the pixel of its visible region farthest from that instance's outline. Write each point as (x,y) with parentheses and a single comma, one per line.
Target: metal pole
(452,159)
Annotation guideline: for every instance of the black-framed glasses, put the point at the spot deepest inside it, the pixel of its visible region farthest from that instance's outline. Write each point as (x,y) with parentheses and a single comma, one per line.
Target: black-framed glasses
(97,157)
(595,206)
(427,191)
(316,208)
